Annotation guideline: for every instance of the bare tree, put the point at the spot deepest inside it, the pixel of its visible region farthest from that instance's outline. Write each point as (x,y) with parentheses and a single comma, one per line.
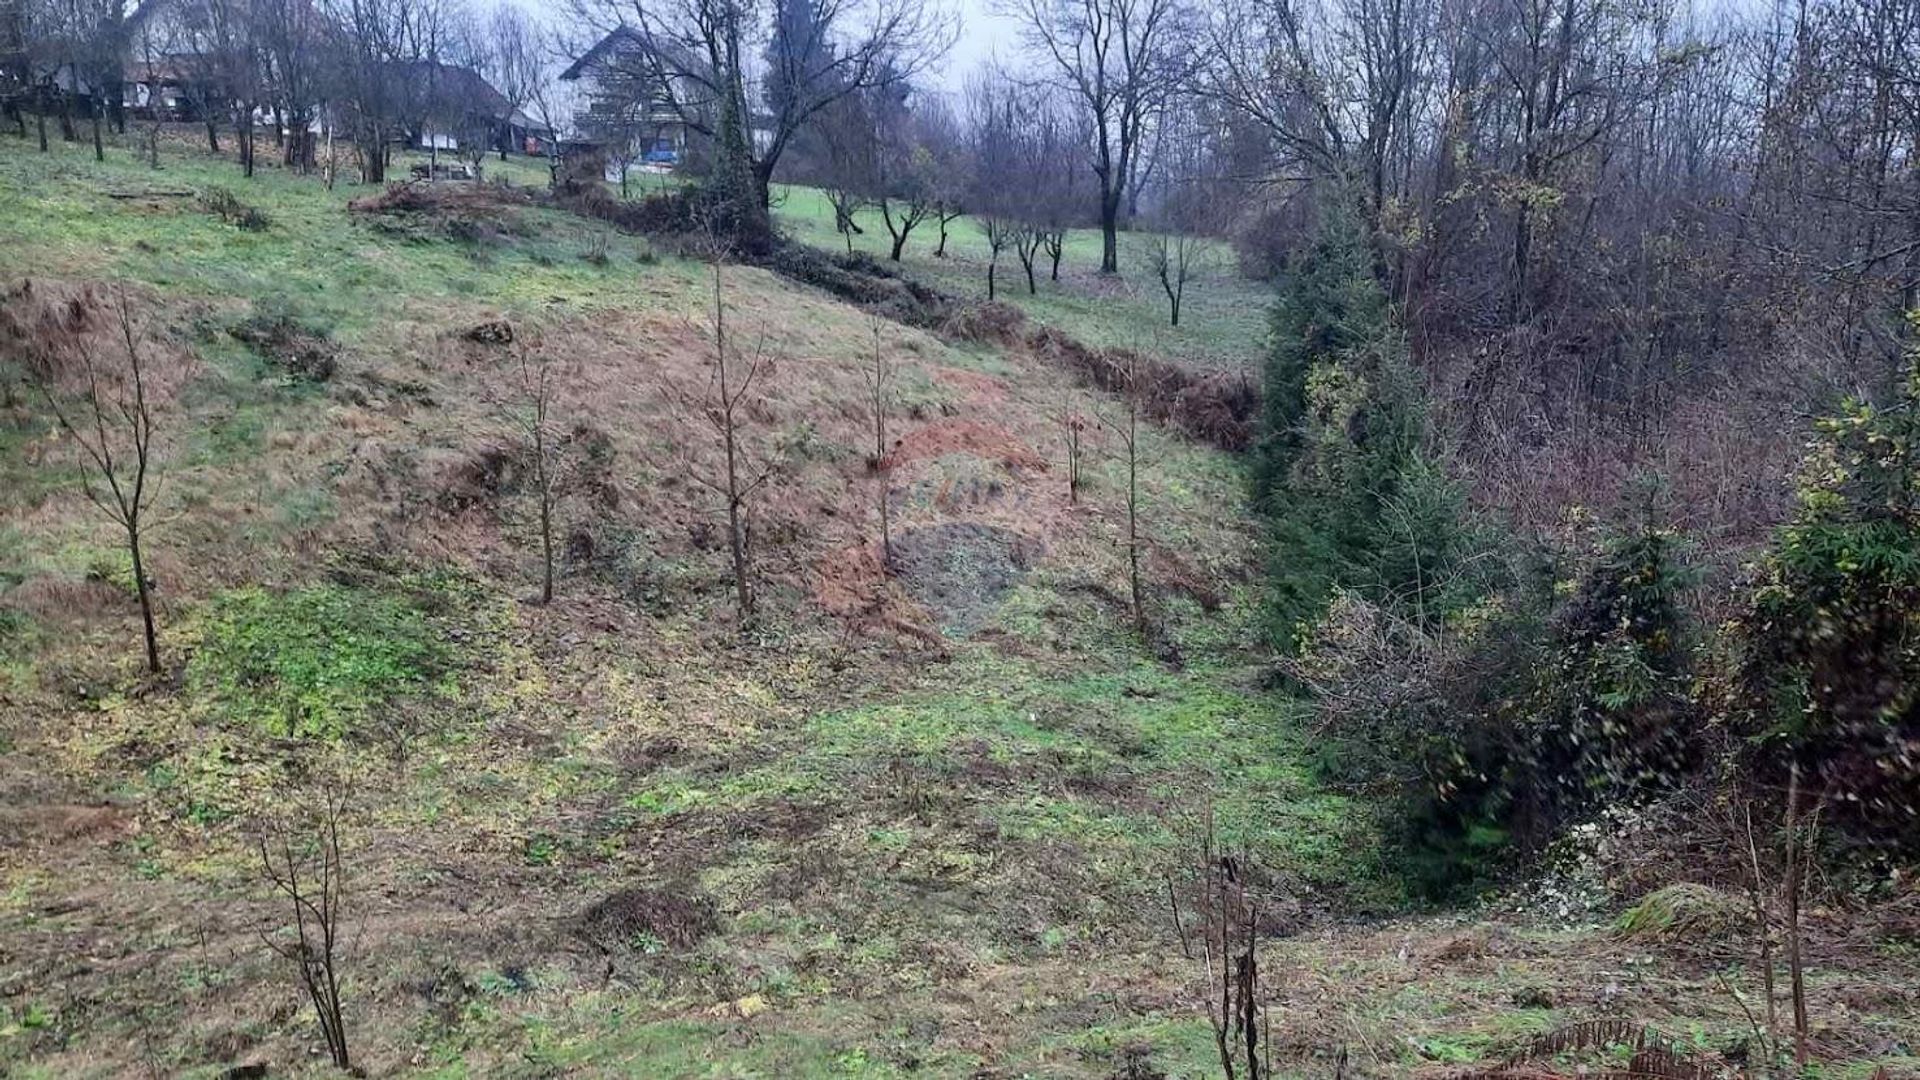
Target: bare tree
(1027,238)
(510,56)
(696,50)
(879,376)
(375,52)
(1124,422)
(1173,259)
(993,121)
(1226,920)
(1073,430)
(527,403)
(999,232)
(724,403)
(148,47)
(846,168)
(114,427)
(304,59)
(1120,59)
(302,862)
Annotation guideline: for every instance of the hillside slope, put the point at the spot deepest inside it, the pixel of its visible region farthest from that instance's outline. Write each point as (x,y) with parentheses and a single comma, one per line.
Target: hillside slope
(919,822)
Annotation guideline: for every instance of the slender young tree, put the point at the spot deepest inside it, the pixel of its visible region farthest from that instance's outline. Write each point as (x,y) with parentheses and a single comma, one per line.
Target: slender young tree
(114,427)
(302,862)
(725,403)
(527,403)
(1173,259)
(1073,430)
(879,376)
(1124,422)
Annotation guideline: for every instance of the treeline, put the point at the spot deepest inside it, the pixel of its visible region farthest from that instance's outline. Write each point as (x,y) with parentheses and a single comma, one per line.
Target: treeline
(1499,687)
(302,77)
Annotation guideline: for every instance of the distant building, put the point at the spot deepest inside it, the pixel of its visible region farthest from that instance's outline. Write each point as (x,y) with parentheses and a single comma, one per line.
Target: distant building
(463,111)
(629,114)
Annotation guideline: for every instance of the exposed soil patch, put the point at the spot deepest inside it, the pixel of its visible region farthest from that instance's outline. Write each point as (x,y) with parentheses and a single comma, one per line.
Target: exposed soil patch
(62,824)
(675,916)
(961,571)
(963,437)
(51,328)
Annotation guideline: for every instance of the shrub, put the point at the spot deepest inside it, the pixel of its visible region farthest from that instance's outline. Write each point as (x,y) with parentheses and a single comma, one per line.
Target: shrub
(1828,670)
(227,206)
(315,662)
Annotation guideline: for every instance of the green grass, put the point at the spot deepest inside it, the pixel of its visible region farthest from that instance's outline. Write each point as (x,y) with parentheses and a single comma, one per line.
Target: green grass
(1223,323)
(317,661)
(58,217)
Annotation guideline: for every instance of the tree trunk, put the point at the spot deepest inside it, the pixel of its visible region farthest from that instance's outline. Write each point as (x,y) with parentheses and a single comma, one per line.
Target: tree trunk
(546,544)
(213,136)
(899,245)
(40,119)
(246,141)
(1110,233)
(99,150)
(990,266)
(1133,517)
(146,602)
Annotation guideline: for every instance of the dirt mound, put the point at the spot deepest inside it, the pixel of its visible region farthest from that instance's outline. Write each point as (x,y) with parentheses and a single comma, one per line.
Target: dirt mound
(51,329)
(63,823)
(962,437)
(1688,913)
(1218,409)
(289,346)
(675,916)
(476,214)
(491,332)
(479,478)
(416,198)
(961,571)
(43,321)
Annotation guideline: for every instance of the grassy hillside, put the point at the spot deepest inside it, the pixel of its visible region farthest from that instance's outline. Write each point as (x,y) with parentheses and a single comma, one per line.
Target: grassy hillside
(918,823)
(1222,321)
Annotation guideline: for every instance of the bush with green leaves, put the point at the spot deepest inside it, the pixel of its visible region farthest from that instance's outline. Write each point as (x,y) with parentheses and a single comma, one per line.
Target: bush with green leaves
(320,661)
(1451,678)
(1828,671)
(1523,713)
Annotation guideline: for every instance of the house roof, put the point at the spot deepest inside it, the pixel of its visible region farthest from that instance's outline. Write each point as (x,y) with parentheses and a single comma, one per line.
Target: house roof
(461,84)
(626,37)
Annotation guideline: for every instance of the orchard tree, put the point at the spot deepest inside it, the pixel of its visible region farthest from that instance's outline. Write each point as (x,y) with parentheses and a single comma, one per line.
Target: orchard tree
(1119,60)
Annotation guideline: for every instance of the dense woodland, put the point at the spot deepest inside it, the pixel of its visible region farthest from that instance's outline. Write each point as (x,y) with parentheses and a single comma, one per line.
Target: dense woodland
(1588,447)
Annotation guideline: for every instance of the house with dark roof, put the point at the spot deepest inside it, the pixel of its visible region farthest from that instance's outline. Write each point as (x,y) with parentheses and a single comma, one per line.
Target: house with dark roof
(463,111)
(632,109)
